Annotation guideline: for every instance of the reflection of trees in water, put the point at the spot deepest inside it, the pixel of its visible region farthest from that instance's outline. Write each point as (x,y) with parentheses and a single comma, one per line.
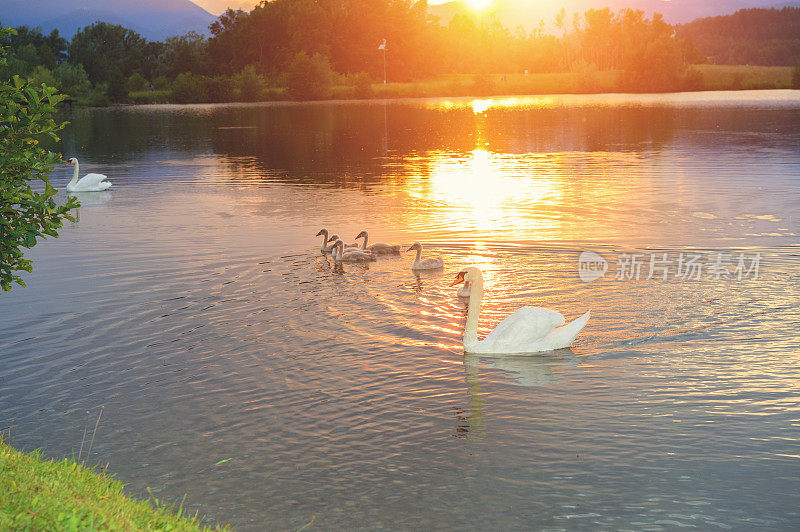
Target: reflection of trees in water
(124,134)
(357,143)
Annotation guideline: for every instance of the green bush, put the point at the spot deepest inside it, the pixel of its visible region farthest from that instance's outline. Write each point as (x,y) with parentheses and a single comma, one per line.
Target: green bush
(136,83)
(71,79)
(42,74)
(98,96)
(363,85)
(219,89)
(67,78)
(188,88)
(161,83)
(248,85)
(26,213)
(310,78)
(117,91)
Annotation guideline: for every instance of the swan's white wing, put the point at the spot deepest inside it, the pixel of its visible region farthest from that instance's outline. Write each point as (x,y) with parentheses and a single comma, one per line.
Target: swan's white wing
(523,328)
(90,181)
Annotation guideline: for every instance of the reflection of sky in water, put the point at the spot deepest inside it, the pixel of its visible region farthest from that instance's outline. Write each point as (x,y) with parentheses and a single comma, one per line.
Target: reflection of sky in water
(192,302)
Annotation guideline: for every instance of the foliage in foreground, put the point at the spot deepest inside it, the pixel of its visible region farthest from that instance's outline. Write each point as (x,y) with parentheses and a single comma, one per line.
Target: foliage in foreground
(39,494)
(26,214)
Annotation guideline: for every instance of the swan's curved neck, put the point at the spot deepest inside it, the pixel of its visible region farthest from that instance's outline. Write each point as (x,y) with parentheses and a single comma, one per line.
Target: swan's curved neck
(366,237)
(419,253)
(473,312)
(74,175)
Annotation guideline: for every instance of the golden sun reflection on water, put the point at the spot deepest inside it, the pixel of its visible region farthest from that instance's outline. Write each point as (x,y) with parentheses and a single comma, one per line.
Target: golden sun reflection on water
(480,192)
(481,105)
(529,198)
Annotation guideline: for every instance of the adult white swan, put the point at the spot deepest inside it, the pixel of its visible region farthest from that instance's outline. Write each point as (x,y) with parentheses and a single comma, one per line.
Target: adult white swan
(88,183)
(353,255)
(465,290)
(379,248)
(424,264)
(528,330)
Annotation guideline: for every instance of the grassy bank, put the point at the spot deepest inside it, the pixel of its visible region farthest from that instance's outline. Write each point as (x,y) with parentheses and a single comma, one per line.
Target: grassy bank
(39,494)
(737,77)
(711,77)
(707,77)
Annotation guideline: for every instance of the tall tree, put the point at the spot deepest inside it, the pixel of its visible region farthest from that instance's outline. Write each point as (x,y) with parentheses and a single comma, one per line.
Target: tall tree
(105,49)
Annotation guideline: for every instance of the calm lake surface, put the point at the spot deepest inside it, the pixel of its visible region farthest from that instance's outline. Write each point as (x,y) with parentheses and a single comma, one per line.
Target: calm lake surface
(239,366)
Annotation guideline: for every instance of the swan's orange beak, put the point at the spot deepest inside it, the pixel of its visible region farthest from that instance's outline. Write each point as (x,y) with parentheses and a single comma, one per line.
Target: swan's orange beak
(459,279)
(69,163)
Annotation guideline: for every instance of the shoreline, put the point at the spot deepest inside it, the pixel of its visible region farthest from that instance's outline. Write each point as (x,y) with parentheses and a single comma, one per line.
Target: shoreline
(646,97)
(40,493)
(706,78)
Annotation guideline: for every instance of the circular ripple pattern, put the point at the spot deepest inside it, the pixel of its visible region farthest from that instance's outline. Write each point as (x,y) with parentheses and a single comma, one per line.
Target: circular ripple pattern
(241,367)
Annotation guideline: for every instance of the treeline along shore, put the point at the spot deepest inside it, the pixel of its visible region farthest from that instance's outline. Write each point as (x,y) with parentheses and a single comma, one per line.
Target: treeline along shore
(343,49)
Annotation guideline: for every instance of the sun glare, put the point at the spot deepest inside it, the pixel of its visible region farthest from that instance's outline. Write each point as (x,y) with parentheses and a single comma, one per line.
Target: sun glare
(478,5)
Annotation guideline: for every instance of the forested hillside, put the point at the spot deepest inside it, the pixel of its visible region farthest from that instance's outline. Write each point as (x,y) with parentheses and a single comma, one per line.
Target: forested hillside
(749,36)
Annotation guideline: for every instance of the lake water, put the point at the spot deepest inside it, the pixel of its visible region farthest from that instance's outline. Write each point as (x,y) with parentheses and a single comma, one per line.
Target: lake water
(239,366)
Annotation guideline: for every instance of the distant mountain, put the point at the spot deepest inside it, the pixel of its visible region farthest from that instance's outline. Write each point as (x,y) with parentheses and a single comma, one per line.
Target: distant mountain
(528,13)
(218,7)
(153,19)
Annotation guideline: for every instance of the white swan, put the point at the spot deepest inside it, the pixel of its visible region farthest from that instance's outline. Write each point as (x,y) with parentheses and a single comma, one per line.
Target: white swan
(350,256)
(88,183)
(464,290)
(424,264)
(528,330)
(380,249)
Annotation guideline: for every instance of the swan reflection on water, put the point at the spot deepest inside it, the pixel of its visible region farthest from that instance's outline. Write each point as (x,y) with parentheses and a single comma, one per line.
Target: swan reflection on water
(89,199)
(530,371)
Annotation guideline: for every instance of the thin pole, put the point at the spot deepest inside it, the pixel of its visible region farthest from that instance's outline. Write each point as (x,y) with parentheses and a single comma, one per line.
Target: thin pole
(384,65)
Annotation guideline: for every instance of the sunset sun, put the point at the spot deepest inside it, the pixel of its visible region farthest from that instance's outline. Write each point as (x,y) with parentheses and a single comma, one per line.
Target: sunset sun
(478,5)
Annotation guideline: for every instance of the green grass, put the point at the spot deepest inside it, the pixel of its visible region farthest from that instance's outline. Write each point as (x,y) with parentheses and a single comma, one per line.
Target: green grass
(143,97)
(497,85)
(40,494)
(714,77)
(737,77)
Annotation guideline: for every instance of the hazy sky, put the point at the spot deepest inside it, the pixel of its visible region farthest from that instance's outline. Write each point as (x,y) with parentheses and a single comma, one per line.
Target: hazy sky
(218,6)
